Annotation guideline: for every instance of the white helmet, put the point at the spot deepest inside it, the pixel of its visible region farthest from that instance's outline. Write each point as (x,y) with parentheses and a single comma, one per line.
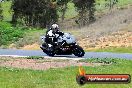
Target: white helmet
(55,26)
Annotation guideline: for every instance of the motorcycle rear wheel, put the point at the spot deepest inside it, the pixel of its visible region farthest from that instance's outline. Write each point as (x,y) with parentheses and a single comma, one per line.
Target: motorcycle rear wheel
(48,52)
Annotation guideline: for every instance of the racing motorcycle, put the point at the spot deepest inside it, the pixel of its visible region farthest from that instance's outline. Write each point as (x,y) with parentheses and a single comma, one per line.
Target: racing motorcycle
(65,45)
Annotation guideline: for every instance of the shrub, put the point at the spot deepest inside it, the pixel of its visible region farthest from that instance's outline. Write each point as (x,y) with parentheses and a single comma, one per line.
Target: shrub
(9,34)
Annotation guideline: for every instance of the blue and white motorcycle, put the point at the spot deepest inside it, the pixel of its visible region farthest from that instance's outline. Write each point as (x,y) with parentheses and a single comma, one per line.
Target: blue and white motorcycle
(65,45)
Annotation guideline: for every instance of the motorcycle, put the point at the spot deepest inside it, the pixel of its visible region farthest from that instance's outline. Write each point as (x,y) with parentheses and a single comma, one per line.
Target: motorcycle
(65,45)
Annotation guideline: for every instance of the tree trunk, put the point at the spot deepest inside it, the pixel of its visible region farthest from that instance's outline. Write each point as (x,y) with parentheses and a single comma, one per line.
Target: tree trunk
(63,12)
(1,10)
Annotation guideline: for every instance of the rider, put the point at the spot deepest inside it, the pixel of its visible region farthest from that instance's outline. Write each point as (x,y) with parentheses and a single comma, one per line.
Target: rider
(52,35)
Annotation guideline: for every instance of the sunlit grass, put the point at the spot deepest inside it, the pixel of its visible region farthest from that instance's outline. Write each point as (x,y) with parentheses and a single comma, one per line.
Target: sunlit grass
(116,49)
(61,77)
(30,37)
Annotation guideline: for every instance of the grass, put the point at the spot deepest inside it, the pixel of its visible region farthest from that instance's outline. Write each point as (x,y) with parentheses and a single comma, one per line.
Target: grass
(61,77)
(100,4)
(30,37)
(116,49)
(124,2)
(100,60)
(9,34)
(34,57)
(19,36)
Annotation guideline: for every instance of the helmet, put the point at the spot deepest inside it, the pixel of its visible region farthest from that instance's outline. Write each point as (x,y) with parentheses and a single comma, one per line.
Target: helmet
(55,27)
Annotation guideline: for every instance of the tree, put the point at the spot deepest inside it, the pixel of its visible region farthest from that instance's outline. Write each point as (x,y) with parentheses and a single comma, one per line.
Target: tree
(111,3)
(1,10)
(86,9)
(63,7)
(34,12)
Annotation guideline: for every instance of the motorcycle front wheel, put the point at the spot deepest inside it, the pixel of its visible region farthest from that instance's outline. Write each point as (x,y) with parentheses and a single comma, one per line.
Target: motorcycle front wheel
(78,51)
(51,54)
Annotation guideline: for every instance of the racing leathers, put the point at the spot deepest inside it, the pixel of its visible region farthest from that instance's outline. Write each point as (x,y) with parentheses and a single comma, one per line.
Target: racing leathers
(52,36)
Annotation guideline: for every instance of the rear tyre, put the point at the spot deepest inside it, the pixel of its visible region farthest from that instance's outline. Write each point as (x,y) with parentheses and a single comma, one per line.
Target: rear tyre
(78,51)
(49,51)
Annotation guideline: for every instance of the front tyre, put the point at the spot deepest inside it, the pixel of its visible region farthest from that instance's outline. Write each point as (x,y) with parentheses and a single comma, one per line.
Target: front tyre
(50,53)
(78,51)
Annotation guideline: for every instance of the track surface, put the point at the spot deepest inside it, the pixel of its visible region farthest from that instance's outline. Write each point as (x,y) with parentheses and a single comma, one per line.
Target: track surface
(26,53)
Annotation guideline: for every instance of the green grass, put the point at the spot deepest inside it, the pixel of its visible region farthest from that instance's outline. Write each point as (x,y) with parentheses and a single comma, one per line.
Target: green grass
(19,36)
(124,2)
(61,77)
(100,60)
(116,49)
(34,57)
(101,4)
(30,37)
(9,34)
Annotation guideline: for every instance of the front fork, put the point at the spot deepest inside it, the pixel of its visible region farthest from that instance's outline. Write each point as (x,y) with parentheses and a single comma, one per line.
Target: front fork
(73,46)
(47,48)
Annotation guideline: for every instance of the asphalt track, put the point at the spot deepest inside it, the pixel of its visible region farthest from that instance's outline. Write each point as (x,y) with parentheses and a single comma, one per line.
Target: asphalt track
(26,53)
